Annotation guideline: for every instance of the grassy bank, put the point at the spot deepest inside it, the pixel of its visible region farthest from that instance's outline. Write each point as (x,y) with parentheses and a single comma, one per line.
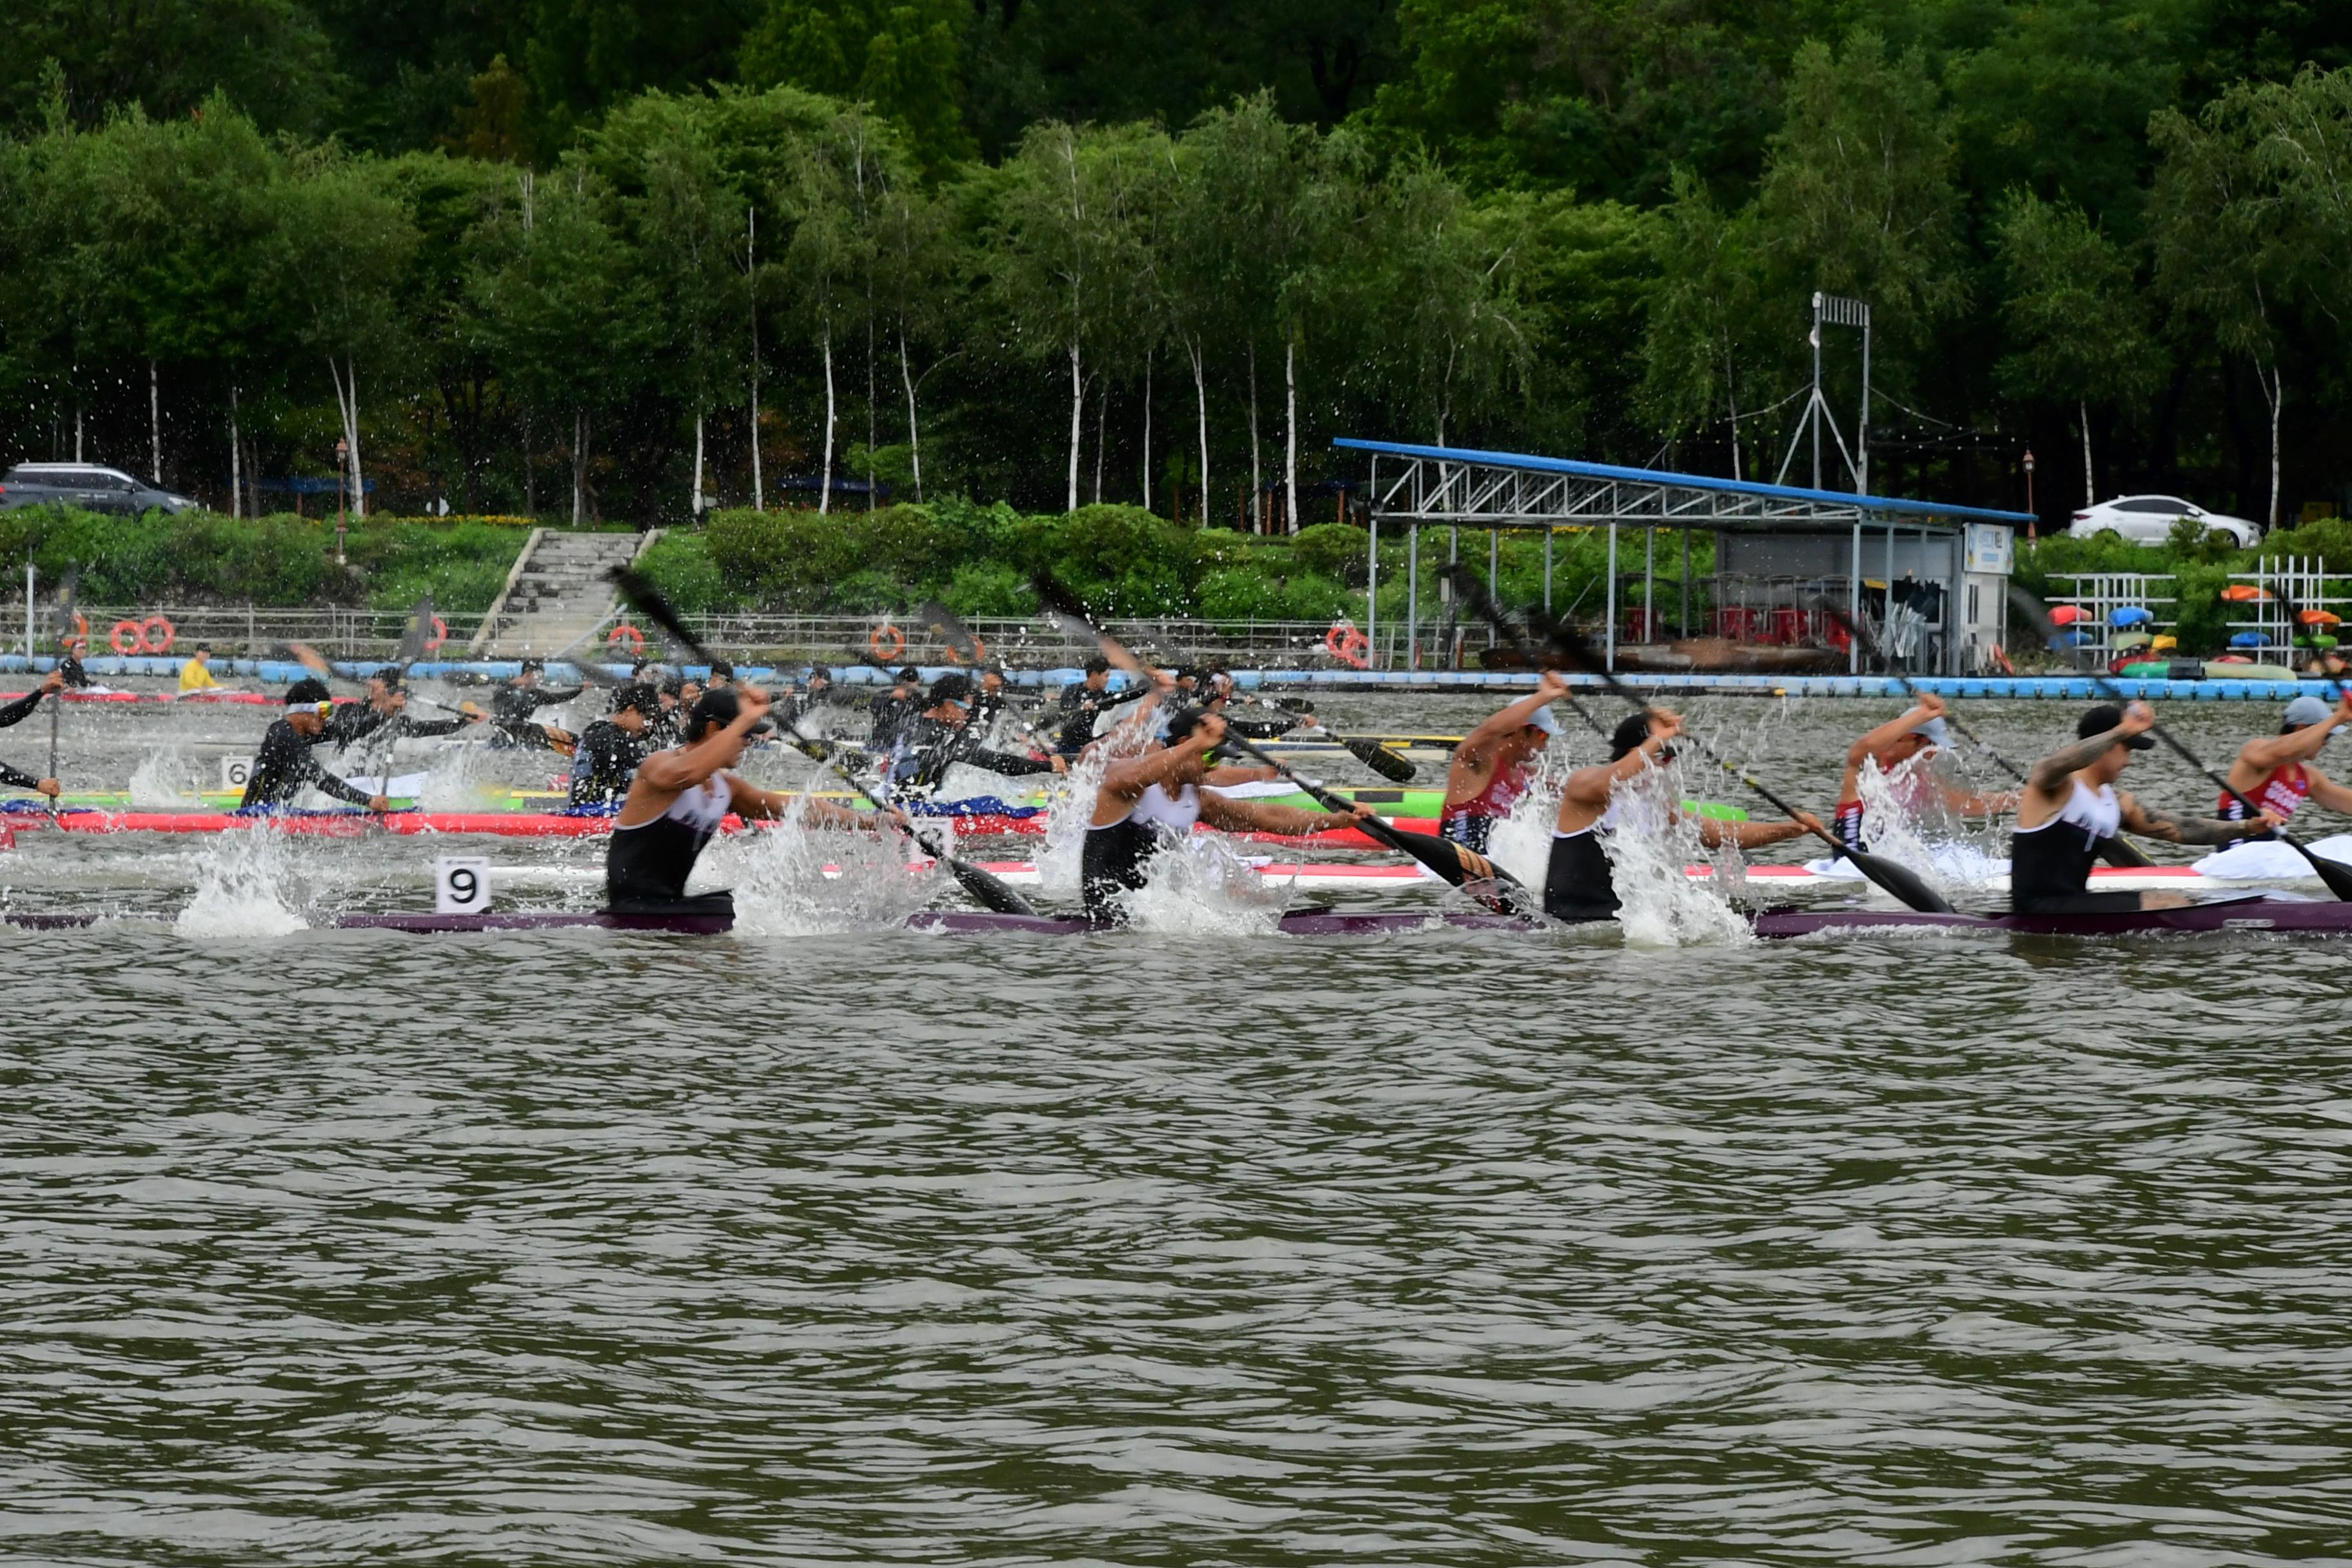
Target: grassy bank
(202,557)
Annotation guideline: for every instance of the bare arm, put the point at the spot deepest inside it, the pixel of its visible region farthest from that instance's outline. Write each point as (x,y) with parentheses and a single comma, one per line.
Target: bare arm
(1713,832)
(2049,775)
(748,800)
(1261,817)
(2328,794)
(1517,716)
(1894,729)
(2188,830)
(1234,776)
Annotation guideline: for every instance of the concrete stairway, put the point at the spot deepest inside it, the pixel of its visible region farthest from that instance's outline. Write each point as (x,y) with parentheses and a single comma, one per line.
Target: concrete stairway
(557,593)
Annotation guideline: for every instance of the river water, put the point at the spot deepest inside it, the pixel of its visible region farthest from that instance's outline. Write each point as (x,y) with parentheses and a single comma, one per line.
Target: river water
(852,1245)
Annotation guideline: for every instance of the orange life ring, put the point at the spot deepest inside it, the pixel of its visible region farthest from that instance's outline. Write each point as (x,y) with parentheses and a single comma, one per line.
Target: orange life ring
(886,642)
(2001,657)
(440,635)
(1348,644)
(625,633)
(979,652)
(160,641)
(138,635)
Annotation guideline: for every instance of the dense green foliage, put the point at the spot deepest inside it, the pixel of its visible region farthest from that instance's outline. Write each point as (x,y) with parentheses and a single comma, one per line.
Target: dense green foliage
(201,557)
(604,258)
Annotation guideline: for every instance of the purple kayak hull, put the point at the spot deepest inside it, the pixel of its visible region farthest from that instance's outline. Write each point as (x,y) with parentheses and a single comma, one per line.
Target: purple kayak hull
(2220,915)
(1305,922)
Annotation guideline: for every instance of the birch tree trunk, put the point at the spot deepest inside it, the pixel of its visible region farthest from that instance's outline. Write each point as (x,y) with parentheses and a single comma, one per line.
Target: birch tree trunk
(578,466)
(2276,392)
(1290,457)
(914,437)
(1732,392)
(155,428)
(1201,403)
(1077,422)
(236,460)
(1102,423)
(824,496)
(2090,488)
(1147,432)
(1257,482)
(751,275)
(695,508)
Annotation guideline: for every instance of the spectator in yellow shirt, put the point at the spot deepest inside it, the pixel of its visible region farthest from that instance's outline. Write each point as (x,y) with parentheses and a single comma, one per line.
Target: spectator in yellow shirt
(196,674)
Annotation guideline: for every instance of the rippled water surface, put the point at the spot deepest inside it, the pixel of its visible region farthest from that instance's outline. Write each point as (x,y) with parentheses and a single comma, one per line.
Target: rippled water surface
(869,1247)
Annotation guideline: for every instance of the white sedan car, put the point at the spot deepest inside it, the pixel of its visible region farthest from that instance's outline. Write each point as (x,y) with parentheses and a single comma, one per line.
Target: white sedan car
(2148,519)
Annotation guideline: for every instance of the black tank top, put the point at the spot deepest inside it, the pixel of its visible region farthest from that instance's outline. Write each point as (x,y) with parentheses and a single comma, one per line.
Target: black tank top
(2050,866)
(650,862)
(1116,856)
(1577,883)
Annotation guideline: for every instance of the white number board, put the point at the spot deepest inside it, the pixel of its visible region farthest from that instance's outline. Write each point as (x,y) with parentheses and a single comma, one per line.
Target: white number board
(461,885)
(236,773)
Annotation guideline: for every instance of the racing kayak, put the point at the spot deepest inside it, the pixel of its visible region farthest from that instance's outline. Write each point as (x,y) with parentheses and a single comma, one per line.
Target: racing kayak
(2251,913)
(1299,923)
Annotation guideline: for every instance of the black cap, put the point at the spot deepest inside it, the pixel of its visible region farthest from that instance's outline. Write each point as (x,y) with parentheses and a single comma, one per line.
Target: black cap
(1630,731)
(533,666)
(1097,665)
(673,686)
(1182,724)
(952,688)
(392,676)
(305,691)
(713,710)
(2105,717)
(638,696)
(911,676)
(820,672)
(721,669)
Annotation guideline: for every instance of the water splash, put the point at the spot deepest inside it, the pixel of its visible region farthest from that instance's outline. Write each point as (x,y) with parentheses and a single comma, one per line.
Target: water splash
(159,782)
(1205,887)
(1653,842)
(796,881)
(243,880)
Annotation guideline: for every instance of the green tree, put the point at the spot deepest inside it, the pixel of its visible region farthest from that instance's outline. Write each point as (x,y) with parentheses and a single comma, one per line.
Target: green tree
(337,255)
(900,57)
(1858,190)
(2077,328)
(562,308)
(1704,315)
(167,57)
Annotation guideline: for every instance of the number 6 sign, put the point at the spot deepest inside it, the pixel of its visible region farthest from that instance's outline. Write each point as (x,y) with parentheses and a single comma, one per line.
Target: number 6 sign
(461,885)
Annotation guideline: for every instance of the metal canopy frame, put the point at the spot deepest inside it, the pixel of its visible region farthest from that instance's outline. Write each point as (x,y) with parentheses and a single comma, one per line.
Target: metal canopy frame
(1466,488)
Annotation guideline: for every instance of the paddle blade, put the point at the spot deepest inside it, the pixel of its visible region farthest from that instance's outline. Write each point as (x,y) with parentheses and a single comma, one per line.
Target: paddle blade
(415,634)
(1902,882)
(988,890)
(1381,760)
(309,657)
(649,603)
(2337,875)
(951,631)
(68,592)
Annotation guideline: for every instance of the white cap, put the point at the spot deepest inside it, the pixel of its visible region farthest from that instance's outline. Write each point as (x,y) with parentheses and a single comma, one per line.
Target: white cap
(1544,718)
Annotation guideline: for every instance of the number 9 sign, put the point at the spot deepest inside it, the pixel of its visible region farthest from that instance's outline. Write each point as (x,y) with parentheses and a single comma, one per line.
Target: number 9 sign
(461,885)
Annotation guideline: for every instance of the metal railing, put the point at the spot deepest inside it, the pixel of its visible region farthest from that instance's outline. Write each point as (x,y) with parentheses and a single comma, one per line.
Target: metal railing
(363,634)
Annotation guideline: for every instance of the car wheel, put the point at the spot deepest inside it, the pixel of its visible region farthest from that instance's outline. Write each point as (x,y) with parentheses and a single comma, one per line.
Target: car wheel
(2109,533)
(2225,538)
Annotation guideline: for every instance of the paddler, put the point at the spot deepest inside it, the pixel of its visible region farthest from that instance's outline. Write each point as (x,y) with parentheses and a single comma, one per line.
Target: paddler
(1493,763)
(613,748)
(196,673)
(1578,883)
(1913,738)
(894,709)
(2070,807)
(2276,772)
(386,714)
(943,734)
(1081,703)
(285,763)
(1147,803)
(511,709)
(16,713)
(680,797)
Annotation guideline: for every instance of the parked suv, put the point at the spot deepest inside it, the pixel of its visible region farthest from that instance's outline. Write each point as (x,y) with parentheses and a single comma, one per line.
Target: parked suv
(2148,519)
(86,486)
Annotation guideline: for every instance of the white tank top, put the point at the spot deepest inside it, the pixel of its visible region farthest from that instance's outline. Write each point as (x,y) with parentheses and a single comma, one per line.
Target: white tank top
(1153,807)
(2098,814)
(1606,823)
(701,808)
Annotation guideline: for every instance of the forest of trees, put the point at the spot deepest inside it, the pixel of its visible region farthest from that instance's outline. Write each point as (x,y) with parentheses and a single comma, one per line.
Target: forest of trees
(620,259)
